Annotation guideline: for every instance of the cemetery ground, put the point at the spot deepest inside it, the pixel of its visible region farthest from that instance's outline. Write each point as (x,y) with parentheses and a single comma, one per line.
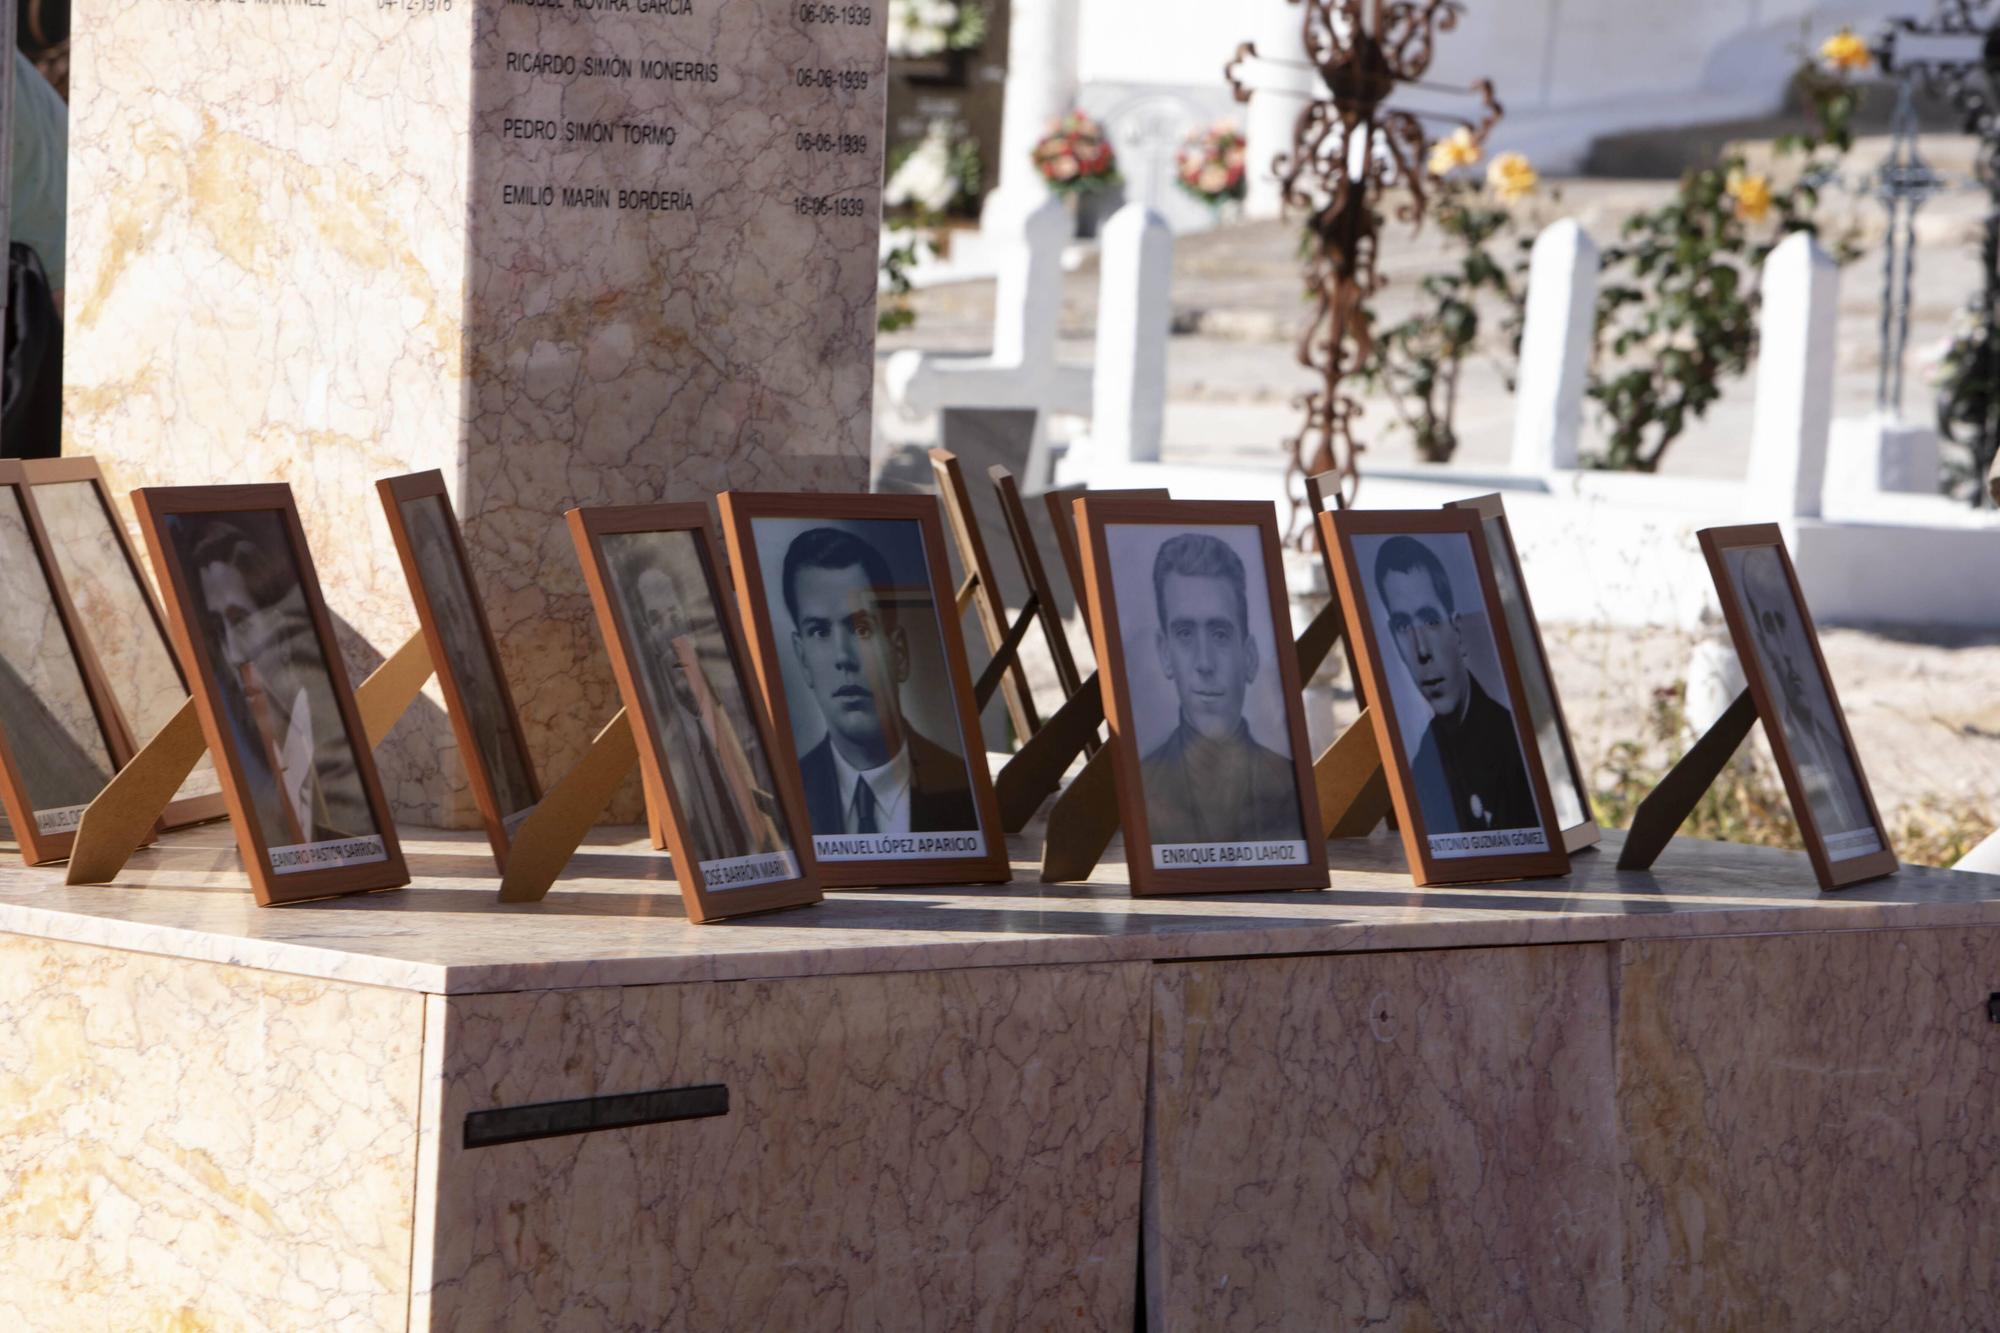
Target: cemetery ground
(1920,701)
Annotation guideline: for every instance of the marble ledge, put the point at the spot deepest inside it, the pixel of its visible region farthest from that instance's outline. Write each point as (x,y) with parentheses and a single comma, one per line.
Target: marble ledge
(616,918)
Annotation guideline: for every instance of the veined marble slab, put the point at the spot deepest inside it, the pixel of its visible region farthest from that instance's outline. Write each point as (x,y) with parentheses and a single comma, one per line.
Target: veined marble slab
(616,919)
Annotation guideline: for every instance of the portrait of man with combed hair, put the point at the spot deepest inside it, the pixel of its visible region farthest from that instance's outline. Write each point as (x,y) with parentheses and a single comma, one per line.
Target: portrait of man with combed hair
(1211,780)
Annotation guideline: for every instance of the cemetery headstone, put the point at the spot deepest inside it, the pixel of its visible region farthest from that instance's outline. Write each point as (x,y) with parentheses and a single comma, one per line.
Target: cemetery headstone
(570,252)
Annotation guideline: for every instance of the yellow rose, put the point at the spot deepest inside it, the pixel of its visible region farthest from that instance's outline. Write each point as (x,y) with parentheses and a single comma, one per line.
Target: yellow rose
(1455,150)
(1511,178)
(1845,52)
(1752,193)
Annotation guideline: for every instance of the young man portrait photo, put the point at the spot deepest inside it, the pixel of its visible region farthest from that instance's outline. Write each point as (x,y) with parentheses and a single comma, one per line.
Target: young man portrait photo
(1210,780)
(722,779)
(1468,768)
(874,771)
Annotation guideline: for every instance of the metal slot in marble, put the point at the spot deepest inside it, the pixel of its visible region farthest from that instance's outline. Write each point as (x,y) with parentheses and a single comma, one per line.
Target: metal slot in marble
(587,1115)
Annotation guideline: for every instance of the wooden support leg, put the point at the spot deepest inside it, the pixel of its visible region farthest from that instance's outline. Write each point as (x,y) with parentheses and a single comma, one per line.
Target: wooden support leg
(1081,823)
(1006,657)
(1037,768)
(1318,638)
(1352,786)
(1669,804)
(549,837)
(391,688)
(126,812)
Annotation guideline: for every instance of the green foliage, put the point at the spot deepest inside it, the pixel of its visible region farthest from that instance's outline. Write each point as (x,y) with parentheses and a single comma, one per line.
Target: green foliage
(1968,402)
(1677,302)
(893,310)
(1417,361)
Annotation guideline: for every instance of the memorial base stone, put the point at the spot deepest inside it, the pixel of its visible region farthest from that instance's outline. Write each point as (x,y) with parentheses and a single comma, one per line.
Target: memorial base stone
(1707,1096)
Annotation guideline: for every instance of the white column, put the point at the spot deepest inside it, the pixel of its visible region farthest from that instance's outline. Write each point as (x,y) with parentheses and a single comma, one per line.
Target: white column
(1041,85)
(1555,348)
(1271,119)
(1134,319)
(1794,410)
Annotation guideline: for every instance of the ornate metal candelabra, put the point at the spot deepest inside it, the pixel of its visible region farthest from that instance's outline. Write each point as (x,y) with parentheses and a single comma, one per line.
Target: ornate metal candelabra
(1360,135)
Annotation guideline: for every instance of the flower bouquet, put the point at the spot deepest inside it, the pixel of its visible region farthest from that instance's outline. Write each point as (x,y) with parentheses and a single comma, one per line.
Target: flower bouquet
(1074,157)
(1209,165)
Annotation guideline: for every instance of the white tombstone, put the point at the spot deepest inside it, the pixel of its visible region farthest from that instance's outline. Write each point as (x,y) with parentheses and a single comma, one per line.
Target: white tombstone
(1021,372)
(1134,320)
(1555,348)
(1794,409)
(1041,86)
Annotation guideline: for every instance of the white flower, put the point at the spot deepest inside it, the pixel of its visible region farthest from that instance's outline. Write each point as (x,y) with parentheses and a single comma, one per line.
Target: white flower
(925,178)
(919,28)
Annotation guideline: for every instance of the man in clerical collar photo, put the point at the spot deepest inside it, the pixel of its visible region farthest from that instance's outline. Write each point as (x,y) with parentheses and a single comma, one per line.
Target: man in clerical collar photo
(873,773)
(1211,781)
(1469,773)
(1791,673)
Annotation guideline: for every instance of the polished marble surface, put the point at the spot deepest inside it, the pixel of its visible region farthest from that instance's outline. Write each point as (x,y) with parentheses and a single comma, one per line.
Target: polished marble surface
(190,1146)
(616,918)
(935,1150)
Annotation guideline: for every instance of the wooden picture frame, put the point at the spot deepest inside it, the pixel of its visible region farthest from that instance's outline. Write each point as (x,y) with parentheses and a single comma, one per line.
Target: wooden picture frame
(113,667)
(1833,871)
(245,532)
(1236,863)
(464,654)
(787,876)
(57,743)
(1062,517)
(1452,855)
(862,517)
(1531,654)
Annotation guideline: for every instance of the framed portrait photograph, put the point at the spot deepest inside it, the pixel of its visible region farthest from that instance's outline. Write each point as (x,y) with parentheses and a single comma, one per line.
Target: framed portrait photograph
(1432,642)
(1208,733)
(1569,787)
(853,634)
(727,784)
(277,711)
(1779,648)
(121,634)
(55,739)
(463,652)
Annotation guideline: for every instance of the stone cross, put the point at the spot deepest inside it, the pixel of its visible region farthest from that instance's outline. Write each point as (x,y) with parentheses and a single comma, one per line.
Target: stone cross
(1021,372)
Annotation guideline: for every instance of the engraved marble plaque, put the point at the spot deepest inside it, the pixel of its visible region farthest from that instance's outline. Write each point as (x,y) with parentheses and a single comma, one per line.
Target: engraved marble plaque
(567,251)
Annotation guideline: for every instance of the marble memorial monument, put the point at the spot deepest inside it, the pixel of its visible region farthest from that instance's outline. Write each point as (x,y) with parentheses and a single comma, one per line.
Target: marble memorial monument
(567,251)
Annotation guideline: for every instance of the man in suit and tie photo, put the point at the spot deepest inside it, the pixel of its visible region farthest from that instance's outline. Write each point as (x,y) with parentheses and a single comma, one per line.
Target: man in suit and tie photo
(1210,780)
(874,772)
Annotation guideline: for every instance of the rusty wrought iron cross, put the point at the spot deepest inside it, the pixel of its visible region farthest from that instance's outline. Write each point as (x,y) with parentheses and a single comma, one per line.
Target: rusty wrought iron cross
(1361,133)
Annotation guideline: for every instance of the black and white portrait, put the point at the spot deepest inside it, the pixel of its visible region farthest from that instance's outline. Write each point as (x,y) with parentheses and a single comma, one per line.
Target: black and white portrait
(860,653)
(1205,691)
(1448,693)
(502,754)
(248,605)
(1792,680)
(695,691)
(52,732)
